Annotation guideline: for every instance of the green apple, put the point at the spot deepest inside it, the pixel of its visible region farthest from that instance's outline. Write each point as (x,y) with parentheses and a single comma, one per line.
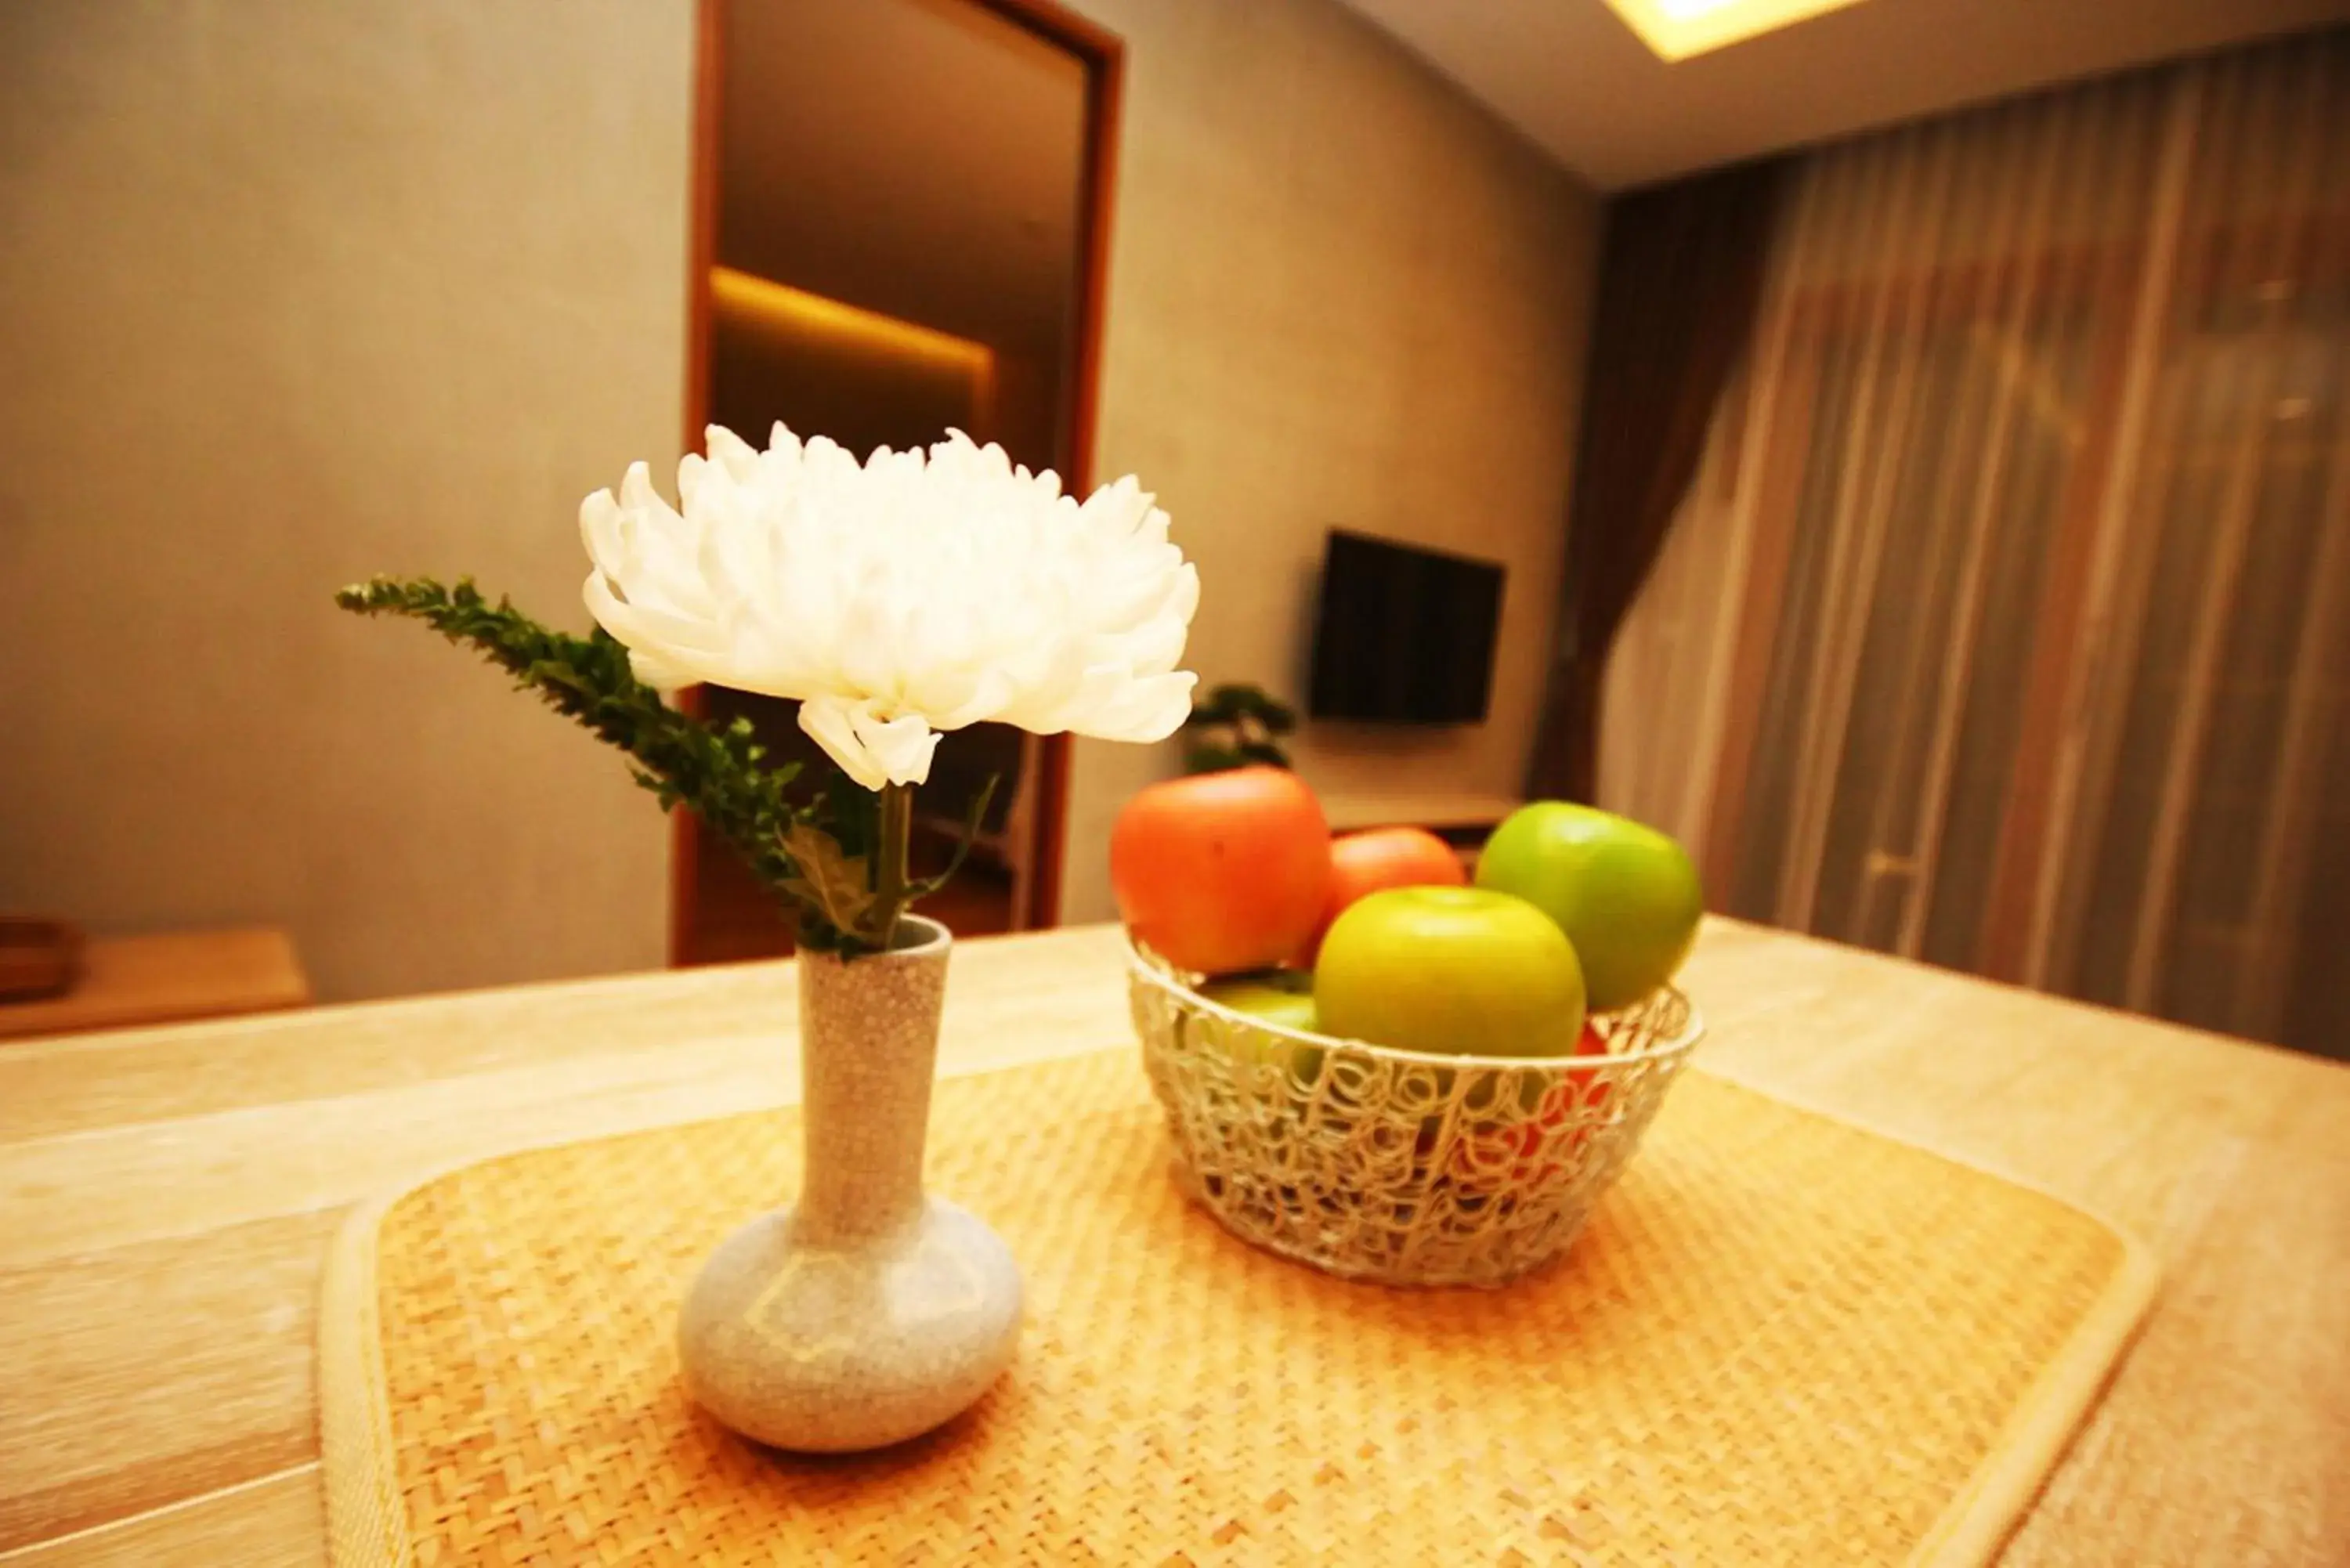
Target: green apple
(1462,970)
(1283,996)
(1280,996)
(1625,894)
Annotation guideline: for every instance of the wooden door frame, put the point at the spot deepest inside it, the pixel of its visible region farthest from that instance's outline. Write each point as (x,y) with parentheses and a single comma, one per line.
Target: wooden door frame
(1102,55)
(701,256)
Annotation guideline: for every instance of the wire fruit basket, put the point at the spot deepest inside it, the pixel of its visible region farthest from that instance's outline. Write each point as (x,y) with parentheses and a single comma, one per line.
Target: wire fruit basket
(1392,1166)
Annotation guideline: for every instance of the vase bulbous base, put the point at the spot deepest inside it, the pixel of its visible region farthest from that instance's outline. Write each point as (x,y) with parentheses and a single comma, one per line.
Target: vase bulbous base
(838,1346)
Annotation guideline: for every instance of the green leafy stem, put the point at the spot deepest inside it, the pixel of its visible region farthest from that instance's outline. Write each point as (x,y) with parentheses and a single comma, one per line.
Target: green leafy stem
(838,859)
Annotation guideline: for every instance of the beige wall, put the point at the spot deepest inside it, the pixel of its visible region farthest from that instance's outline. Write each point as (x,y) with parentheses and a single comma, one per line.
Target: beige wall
(1340,296)
(290,293)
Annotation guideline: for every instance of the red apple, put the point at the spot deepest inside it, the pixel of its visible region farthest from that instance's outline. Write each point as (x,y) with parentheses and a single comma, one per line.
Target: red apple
(1222,872)
(1365,863)
(1558,1104)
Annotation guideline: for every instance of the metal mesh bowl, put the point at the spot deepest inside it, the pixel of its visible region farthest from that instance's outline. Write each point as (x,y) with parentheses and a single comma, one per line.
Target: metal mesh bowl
(1396,1166)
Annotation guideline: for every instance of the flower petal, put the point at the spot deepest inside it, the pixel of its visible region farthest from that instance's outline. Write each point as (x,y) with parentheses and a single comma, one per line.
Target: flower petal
(1147,710)
(662,677)
(940,587)
(902,746)
(827,723)
(870,750)
(675,640)
(731,452)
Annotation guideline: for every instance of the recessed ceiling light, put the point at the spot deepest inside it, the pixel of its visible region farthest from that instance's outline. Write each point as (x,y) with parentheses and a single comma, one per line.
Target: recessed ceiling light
(1676,29)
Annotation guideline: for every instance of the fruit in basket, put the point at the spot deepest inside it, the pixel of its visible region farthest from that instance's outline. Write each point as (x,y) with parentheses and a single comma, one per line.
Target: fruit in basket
(1590,1042)
(1282,996)
(1364,863)
(1576,1087)
(1625,895)
(1463,971)
(1222,872)
(1547,1135)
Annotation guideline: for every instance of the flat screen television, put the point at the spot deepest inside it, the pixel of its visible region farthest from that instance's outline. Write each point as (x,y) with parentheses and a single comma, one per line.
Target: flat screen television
(1405,635)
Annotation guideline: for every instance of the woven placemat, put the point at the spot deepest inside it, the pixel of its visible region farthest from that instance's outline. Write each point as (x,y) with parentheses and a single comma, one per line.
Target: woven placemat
(1782,1340)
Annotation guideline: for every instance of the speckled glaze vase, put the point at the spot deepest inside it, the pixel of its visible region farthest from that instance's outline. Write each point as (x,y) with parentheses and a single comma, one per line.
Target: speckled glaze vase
(866,1313)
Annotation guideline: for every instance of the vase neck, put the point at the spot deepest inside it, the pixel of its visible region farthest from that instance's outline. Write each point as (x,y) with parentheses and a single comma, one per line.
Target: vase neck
(869,1048)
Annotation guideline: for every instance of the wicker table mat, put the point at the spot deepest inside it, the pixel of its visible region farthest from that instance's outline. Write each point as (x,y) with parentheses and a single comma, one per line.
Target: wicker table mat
(1781,1340)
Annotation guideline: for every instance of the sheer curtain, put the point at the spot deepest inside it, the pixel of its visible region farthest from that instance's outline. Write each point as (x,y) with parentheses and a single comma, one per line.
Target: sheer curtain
(2007,623)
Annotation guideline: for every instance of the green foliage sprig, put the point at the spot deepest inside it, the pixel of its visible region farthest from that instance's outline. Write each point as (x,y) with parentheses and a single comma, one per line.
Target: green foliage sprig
(1239,726)
(838,859)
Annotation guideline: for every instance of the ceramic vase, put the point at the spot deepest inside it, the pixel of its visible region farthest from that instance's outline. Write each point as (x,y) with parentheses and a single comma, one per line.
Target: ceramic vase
(866,1313)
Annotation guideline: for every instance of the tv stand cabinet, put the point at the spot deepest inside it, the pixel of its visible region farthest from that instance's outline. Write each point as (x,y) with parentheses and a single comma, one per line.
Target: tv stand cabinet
(1438,811)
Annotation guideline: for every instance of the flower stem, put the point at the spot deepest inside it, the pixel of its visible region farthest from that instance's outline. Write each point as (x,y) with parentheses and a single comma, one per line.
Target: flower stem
(891,881)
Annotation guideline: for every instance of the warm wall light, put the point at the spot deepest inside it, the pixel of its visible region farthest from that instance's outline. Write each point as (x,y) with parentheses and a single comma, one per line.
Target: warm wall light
(1676,29)
(754,301)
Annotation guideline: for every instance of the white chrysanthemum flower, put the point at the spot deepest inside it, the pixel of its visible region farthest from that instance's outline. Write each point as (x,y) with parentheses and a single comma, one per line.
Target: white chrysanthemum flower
(897,598)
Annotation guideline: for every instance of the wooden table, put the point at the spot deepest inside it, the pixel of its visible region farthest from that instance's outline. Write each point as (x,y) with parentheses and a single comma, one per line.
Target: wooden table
(169,1194)
(168,977)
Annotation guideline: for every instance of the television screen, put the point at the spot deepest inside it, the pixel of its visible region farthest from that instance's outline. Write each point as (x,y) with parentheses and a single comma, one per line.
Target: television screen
(1405,635)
